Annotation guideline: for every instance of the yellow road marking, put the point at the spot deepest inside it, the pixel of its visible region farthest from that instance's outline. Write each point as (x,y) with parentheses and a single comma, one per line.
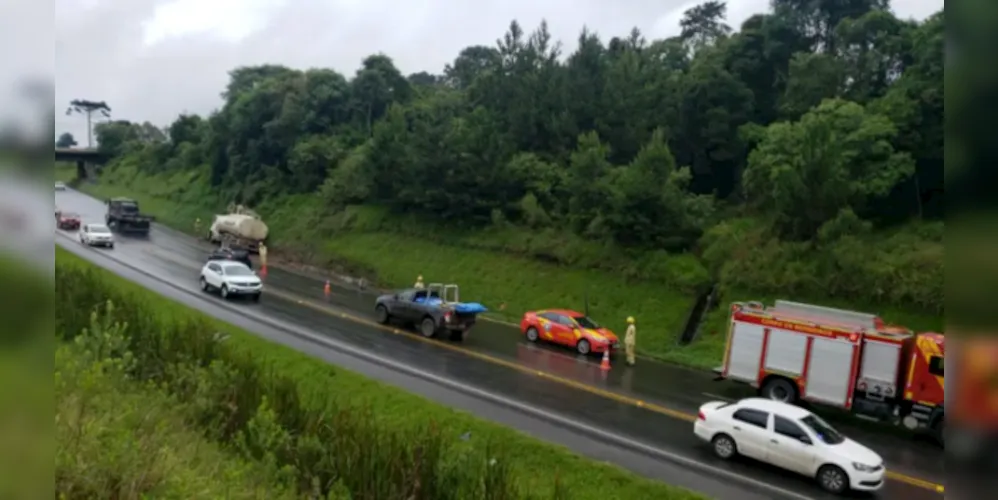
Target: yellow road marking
(914,481)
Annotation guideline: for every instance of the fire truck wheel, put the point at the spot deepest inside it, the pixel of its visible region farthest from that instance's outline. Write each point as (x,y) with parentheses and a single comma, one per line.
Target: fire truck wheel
(779,389)
(939,431)
(833,479)
(724,447)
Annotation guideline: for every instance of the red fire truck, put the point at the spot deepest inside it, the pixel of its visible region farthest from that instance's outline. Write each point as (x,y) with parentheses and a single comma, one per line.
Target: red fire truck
(797,352)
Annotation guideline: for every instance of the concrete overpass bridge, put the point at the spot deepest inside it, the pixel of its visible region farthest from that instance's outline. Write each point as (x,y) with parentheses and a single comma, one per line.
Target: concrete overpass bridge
(87,160)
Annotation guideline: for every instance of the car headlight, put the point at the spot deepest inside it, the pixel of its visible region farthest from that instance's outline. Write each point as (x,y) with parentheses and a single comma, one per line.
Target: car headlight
(863,467)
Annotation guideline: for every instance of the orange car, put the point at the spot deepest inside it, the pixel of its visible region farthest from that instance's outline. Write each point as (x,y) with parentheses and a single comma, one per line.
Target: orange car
(568,328)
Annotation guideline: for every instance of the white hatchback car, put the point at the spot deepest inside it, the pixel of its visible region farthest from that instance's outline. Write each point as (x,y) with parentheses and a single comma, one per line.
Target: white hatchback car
(96,235)
(791,438)
(230,278)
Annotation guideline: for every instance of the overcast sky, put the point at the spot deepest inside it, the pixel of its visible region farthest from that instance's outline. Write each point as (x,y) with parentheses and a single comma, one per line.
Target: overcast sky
(153,59)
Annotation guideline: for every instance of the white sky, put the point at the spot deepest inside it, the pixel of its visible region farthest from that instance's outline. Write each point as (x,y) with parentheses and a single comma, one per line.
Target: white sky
(153,59)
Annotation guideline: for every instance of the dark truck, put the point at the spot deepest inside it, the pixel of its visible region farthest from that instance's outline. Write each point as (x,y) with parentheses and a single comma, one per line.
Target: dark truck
(234,254)
(436,310)
(123,216)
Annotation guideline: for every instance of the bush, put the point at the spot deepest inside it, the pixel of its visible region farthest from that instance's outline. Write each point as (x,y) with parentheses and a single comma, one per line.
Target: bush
(328,431)
(119,439)
(900,269)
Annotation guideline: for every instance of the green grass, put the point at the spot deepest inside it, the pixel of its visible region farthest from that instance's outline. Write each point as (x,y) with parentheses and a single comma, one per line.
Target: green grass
(117,438)
(536,467)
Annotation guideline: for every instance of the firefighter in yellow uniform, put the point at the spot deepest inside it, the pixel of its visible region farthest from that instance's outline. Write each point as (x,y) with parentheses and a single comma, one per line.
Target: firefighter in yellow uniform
(419,283)
(629,340)
(262,250)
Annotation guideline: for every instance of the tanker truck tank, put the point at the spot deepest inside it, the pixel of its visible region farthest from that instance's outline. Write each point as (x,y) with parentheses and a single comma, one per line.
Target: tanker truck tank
(237,229)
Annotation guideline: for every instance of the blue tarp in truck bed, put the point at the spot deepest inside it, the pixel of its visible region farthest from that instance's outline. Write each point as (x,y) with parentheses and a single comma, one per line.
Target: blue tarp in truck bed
(460,307)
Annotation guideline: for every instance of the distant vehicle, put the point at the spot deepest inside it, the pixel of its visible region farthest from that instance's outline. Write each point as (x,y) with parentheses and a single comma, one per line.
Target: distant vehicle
(791,438)
(96,235)
(243,228)
(68,221)
(437,310)
(60,186)
(123,216)
(568,328)
(230,278)
(233,254)
(851,360)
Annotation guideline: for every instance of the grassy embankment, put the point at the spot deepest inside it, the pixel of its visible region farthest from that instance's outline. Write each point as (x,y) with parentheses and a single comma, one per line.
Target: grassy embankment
(523,270)
(307,423)
(120,439)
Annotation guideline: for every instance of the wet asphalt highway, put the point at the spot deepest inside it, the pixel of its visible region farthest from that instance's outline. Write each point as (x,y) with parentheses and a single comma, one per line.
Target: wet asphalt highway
(298,302)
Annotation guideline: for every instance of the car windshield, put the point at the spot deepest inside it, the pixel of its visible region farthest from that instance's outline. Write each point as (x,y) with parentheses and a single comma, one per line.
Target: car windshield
(826,433)
(99,229)
(586,322)
(237,271)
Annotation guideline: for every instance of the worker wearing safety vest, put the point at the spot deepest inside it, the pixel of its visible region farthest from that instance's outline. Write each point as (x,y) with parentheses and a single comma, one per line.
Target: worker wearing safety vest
(262,250)
(197,226)
(629,340)
(419,283)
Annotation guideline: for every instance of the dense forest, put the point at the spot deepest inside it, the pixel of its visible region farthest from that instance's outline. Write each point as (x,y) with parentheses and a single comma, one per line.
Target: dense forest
(801,153)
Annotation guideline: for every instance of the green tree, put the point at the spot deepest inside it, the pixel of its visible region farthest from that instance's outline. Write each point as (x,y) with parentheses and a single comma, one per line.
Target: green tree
(89,109)
(65,140)
(838,156)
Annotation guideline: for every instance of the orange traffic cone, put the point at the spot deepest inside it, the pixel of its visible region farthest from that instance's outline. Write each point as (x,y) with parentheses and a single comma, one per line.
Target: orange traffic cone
(326,288)
(605,364)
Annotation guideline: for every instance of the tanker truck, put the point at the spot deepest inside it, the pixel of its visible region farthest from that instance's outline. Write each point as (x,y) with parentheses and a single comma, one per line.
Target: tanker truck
(240,227)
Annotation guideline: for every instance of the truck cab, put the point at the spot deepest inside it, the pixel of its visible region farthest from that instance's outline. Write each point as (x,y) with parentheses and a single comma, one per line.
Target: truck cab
(123,215)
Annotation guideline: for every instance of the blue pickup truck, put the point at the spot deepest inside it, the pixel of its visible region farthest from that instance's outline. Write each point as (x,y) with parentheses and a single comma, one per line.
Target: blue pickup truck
(436,311)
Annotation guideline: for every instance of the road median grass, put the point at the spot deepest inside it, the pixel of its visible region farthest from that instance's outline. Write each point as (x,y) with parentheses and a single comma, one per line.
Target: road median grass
(326,429)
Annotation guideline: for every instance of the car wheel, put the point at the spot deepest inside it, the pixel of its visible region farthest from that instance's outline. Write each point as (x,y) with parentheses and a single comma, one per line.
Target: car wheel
(428,327)
(203,283)
(583,347)
(224,292)
(382,313)
(532,334)
(256,297)
(724,447)
(780,389)
(111,246)
(833,479)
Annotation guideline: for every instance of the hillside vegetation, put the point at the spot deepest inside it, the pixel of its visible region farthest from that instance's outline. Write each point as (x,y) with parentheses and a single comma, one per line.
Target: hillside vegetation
(799,157)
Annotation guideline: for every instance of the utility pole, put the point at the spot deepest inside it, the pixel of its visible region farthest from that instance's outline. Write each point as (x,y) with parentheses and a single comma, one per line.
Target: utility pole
(88,108)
